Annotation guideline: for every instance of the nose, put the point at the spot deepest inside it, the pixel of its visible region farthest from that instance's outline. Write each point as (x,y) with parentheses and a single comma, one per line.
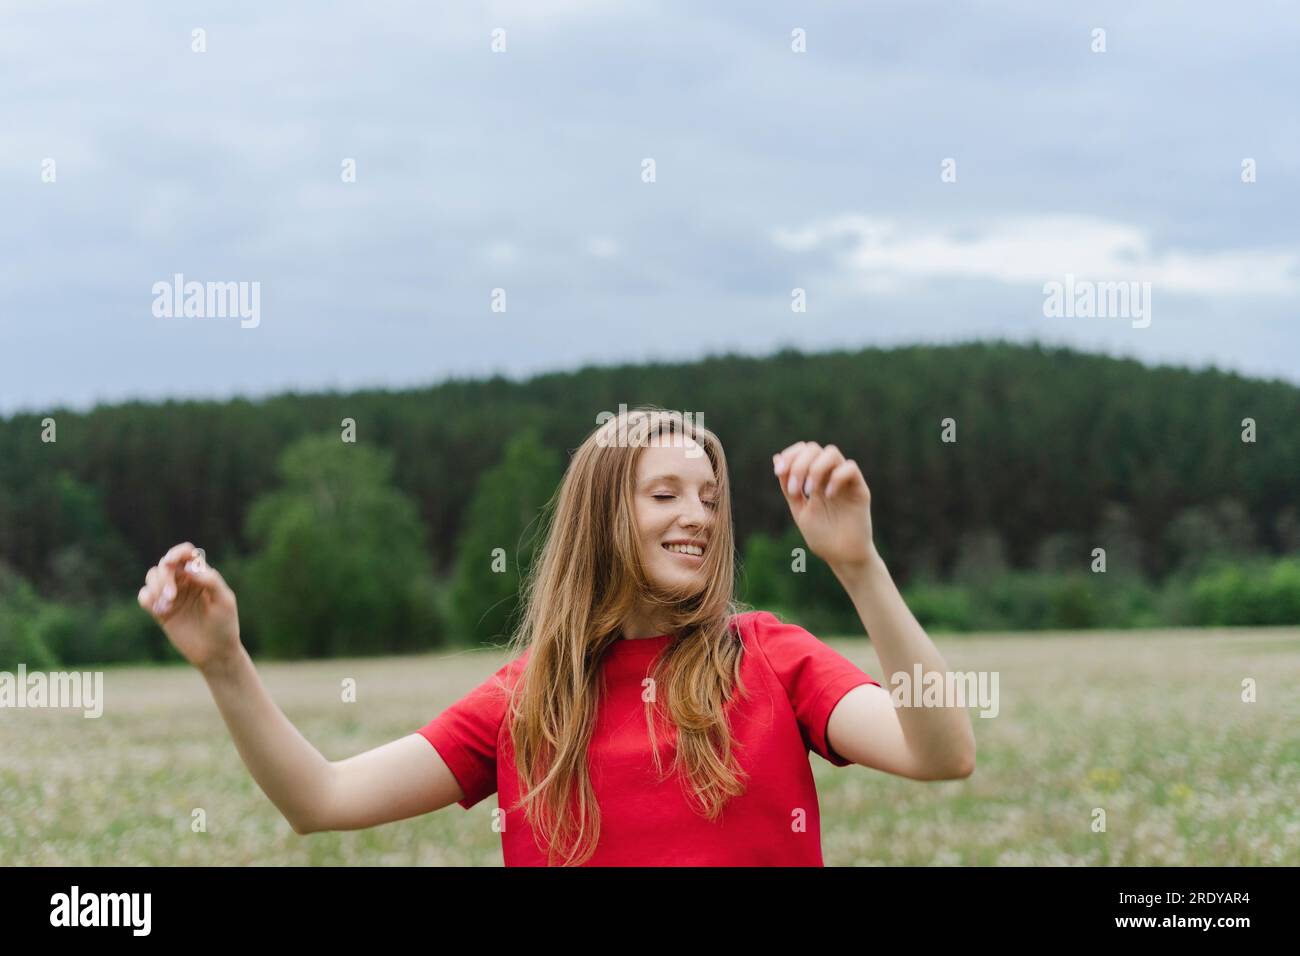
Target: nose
(696,515)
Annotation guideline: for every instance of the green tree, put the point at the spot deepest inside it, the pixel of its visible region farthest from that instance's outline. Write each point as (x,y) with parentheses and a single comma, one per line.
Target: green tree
(982,557)
(501,537)
(21,641)
(87,558)
(341,566)
(783,576)
(1204,535)
(763,579)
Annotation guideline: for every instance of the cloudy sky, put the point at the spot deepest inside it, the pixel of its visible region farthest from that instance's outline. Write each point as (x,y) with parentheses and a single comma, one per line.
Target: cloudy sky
(128,157)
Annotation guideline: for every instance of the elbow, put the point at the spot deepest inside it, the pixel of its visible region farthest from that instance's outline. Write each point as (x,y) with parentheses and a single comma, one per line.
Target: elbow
(962,768)
(965,766)
(313,816)
(305,823)
(956,772)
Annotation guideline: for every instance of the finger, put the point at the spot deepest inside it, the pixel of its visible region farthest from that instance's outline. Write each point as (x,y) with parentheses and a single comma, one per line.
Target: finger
(798,472)
(781,460)
(829,459)
(194,565)
(180,552)
(146,597)
(149,593)
(167,568)
(189,572)
(150,596)
(842,477)
(207,578)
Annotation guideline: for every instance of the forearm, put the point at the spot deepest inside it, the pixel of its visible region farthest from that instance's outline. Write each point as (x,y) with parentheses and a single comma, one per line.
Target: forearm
(291,772)
(941,737)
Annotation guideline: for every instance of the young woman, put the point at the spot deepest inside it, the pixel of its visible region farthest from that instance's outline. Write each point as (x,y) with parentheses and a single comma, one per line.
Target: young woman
(642,719)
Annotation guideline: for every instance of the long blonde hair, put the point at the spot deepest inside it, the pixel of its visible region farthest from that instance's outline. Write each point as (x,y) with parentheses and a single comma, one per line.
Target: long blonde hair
(586,581)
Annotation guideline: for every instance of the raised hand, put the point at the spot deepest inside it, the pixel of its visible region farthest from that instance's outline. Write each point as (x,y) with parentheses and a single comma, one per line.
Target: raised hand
(194,606)
(829,500)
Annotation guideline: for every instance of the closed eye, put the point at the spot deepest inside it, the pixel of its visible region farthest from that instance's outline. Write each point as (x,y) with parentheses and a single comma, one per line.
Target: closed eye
(707,504)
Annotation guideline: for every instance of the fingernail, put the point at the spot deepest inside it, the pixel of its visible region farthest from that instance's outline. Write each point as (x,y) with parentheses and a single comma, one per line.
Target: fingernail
(807,485)
(792,485)
(169,592)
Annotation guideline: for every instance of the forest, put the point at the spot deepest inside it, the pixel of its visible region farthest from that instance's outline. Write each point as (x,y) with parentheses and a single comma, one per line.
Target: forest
(1014,487)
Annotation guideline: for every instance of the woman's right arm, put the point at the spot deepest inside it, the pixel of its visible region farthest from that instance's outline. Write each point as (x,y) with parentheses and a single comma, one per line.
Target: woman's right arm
(404,778)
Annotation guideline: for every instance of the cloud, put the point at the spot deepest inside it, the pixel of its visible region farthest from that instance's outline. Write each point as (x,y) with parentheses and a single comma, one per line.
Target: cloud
(478,170)
(1035,249)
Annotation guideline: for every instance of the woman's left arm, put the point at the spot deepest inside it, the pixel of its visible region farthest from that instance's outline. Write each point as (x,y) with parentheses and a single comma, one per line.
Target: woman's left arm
(831,504)
(939,740)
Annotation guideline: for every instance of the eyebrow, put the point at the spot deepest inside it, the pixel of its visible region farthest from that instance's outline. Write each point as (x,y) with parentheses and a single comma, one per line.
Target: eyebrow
(711,483)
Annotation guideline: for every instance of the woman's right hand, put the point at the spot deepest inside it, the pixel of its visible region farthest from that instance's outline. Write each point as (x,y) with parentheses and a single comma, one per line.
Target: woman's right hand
(194,606)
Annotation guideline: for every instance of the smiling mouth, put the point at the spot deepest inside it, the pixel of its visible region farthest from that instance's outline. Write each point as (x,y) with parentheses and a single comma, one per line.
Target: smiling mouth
(685,550)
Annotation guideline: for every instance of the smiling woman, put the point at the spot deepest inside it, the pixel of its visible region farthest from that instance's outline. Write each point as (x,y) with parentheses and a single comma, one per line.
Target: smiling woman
(643,701)
(675,500)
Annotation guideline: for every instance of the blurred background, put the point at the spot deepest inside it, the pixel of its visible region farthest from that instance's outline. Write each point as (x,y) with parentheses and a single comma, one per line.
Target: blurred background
(473,229)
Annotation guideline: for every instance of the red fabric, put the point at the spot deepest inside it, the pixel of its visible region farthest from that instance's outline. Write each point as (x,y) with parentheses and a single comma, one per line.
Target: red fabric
(794,682)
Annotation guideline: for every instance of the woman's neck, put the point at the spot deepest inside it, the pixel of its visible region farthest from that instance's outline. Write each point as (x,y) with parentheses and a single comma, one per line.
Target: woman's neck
(639,627)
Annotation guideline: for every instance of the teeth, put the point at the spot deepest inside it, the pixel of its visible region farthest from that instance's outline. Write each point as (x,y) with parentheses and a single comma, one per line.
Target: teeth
(686,549)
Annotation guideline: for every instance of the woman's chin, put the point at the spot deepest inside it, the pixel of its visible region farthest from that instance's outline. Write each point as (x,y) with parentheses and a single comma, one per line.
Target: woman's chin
(681,584)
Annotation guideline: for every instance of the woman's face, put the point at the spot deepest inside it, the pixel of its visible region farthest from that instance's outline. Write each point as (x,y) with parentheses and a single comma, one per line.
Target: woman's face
(675,500)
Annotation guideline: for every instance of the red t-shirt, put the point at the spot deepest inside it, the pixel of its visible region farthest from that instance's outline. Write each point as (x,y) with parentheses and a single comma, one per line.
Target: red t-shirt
(794,682)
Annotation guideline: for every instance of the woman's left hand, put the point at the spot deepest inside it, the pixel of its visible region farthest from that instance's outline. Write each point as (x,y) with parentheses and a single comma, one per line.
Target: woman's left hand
(835,516)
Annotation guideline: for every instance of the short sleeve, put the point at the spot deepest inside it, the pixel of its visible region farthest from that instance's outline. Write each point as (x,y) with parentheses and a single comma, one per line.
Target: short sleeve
(466,733)
(815,677)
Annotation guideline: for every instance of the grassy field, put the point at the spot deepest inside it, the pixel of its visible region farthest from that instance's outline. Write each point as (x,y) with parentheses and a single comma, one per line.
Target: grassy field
(1149,726)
